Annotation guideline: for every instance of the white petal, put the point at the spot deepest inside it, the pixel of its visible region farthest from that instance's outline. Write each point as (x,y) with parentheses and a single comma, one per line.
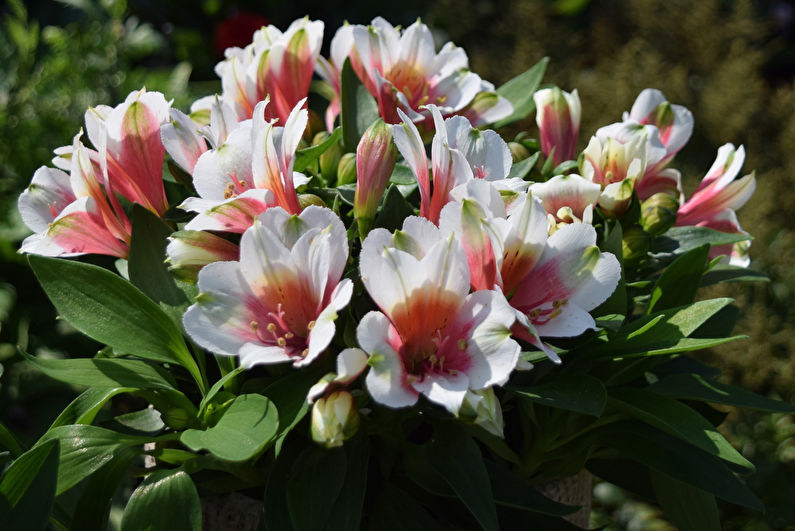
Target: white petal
(386,380)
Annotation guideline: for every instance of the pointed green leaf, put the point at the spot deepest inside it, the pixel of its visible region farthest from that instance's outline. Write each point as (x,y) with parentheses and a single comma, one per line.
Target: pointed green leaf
(726,273)
(84,449)
(576,392)
(519,91)
(146,265)
(671,456)
(288,393)
(93,508)
(616,304)
(105,373)
(448,451)
(688,507)
(394,510)
(27,489)
(346,514)
(314,485)
(359,108)
(524,167)
(305,157)
(679,282)
(112,311)
(679,240)
(166,500)
(676,418)
(394,210)
(696,387)
(85,407)
(245,429)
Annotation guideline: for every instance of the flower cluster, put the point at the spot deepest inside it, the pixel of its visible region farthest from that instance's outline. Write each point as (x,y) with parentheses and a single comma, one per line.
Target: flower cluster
(481,266)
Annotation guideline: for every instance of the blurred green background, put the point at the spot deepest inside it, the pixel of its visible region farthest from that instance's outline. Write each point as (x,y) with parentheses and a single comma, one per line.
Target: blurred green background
(732,63)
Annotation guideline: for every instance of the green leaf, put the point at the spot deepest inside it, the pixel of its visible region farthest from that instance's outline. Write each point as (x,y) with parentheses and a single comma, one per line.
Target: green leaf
(576,392)
(664,453)
(346,514)
(394,210)
(402,174)
(146,265)
(674,417)
(394,510)
(27,489)
(305,157)
(679,282)
(524,167)
(449,451)
(9,442)
(314,485)
(93,507)
(564,166)
(288,393)
(359,108)
(688,508)
(85,407)
(105,372)
(519,91)
(244,430)
(166,500)
(84,449)
(515,491)
(696,387)
(727,273)
(112,311)
(679,240)
(275,515)
(662,333)
(217,386)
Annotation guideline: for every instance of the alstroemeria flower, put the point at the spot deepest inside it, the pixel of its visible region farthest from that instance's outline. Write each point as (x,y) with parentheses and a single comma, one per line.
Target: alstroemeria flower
(280,301)
(667,129)
(558,119)
(459,153)
(247,174)
(275,64)
(190,250)
(567,199)
(552,282)
(402,70)
(432,336)
(80,213)
(714,202)
(616,158)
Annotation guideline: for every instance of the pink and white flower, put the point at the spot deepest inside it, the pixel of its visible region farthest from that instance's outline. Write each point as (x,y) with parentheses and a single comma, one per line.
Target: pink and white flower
(459,153)
(402,70)
(714,202)
(249,173)
(552,282)
(280,301)
(276,65)
(330,69)
(558,119)
(567,199)
(431,337)
(80,213)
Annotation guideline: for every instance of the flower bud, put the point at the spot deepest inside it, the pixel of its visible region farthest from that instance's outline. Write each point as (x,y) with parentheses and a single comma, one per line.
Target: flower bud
(483,408)
(329,159)
(346,169)
(335,419)
(190,250)
(658,213)
(558,119)
(518,152)
(635,245)
(310,199)
(376,156)
(616,197)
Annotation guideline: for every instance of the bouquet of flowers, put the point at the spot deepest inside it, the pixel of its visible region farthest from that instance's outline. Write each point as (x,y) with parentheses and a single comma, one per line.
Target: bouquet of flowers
(385,317)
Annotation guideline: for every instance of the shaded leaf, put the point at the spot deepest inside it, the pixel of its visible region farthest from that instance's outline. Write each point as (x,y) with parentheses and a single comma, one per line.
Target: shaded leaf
(166,500)
(679,282)
(346,514)
(576,392)
(314,485)
(689,508)
(27,489)
(359,108)
(516,491)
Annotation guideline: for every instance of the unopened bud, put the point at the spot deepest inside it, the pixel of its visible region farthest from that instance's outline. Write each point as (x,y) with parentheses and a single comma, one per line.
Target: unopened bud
(346,169)
(310,199)
(658,213)
(483,408)
(335,419)
(635,245)
(190,250)
(329,159)
(616,197)
(558,119)
(376,156)
(518,152)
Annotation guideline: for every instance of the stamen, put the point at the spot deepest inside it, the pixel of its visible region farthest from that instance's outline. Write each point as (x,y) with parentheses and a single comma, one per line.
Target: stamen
(281,342)
(311,325)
